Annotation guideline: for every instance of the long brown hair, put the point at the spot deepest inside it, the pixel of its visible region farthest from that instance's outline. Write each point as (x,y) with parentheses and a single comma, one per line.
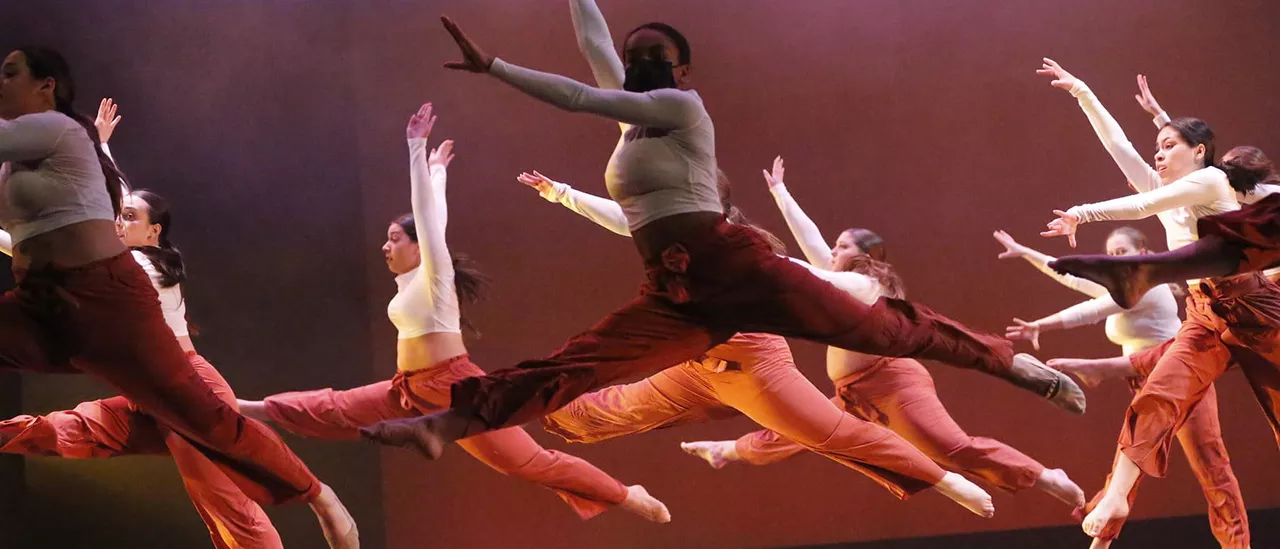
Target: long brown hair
(1247,168)
(891,284)
(48,63)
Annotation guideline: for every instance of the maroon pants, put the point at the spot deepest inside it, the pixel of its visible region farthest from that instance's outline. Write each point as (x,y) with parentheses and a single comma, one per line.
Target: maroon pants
(709,279)
(104,318)
(1255,228)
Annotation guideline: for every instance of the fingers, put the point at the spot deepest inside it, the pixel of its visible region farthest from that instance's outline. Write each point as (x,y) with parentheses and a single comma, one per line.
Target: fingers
(1071,239)
(768,177)
(458,66)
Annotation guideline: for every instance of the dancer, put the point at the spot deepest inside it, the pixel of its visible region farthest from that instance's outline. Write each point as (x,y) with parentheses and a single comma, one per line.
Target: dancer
(83,303)
(754,374)
(1150,324)
(708,279)
(897,393)
(1226,318)
(116,427)
(1152,321)
(1230,243)
(431,354)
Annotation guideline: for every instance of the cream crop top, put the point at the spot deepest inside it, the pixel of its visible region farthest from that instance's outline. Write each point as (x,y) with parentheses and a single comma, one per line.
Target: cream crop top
(1178,205)
(426,301)
(50,177)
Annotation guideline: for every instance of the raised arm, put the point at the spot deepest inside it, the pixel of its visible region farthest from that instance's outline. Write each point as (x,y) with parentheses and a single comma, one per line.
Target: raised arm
(33,136)
(802,228)
(1135,168)
(601,211)
(661,109)
(596,44)
(1013,249)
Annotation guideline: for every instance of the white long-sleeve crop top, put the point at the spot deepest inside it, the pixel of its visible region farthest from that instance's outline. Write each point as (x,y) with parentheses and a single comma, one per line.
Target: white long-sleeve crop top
(1178,205)
(426,300)
(50,176)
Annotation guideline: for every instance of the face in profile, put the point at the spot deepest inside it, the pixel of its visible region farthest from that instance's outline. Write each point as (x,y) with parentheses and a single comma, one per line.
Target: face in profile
(400,251)
(20,93)
(846,247)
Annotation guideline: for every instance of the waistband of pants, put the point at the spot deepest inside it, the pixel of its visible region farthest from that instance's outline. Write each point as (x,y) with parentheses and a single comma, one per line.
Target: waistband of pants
(52,271)
(1227,287)
(862,373)
(400,382)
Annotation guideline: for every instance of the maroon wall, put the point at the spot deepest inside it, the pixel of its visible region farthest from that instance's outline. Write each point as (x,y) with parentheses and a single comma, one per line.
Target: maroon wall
(277,130)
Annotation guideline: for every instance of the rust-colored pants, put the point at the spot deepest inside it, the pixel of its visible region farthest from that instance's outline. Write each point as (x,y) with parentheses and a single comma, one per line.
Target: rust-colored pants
(115,427)
(710,279)
(762,382)
(1229,320)
(104,318)
(899,393)
(338,415)
(1202,444)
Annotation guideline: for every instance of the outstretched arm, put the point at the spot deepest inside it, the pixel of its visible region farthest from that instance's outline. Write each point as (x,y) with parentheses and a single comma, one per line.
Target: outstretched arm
(661,109)
(1040,261)
(802,228)
(1135,168)
(601,211)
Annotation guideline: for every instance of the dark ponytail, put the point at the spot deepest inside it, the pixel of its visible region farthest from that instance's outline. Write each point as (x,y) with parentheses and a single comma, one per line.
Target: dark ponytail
(1247,168)
(165,257)
(48,63)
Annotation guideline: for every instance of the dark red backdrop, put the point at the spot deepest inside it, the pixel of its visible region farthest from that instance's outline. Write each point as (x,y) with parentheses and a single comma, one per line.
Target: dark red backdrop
(276,129)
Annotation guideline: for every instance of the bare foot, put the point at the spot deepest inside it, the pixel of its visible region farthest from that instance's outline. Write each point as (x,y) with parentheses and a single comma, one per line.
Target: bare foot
(641,503)
(1108,510)
(717,453)
(1056,483)
(967,494)
(1125,279)
(336,523)
(253,409)
(418,433)
(1062,390)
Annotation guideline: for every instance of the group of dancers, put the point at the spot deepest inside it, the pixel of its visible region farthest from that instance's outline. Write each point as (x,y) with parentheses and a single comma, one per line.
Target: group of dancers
(99,291)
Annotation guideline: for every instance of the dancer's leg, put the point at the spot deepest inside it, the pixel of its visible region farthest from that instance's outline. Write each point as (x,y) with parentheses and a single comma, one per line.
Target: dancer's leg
(675,396)
(901,393)
(775,395)
(335,415)
(1201,440)
(1128,278)
(108,313)
(587,489)
(789,300)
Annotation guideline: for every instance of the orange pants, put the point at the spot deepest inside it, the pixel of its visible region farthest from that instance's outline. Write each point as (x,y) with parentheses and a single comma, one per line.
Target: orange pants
(338,415)
(899,394)
(115,427)
(1230,320)
(761,381)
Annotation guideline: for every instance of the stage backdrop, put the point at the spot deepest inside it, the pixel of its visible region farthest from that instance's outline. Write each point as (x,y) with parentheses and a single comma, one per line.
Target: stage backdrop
(276,129)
